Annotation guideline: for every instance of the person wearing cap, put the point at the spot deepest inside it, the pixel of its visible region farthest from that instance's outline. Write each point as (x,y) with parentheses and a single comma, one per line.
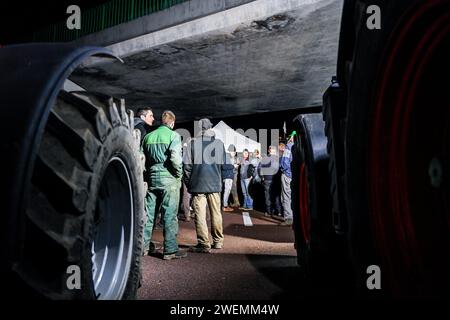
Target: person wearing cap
(203,165)
(163,163)
(286,180)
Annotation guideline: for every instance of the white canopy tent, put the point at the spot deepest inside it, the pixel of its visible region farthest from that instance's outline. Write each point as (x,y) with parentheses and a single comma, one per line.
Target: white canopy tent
(230,136)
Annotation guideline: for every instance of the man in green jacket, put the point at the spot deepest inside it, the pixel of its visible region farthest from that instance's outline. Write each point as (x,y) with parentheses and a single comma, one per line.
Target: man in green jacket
(163,163)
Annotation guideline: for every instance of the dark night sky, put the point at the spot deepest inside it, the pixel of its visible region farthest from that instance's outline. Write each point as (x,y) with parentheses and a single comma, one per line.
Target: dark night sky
(19,19)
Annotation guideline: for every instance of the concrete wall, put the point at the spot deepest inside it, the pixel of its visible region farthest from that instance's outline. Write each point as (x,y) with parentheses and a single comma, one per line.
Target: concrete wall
(178,14)
(261,56)
(219,22)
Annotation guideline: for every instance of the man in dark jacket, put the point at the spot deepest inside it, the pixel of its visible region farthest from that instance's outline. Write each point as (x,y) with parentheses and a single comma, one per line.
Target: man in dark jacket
(203,167)
(268,171)
(143,121)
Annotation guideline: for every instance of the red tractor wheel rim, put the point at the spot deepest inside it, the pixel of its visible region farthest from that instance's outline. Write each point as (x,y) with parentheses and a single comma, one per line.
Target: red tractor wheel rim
(394,226)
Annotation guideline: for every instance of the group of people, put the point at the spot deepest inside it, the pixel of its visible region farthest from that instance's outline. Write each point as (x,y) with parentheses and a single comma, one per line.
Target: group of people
(270,174)
(202,169)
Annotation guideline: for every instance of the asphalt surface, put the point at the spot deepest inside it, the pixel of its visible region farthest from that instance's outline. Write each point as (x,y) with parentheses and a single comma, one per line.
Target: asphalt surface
(257,262)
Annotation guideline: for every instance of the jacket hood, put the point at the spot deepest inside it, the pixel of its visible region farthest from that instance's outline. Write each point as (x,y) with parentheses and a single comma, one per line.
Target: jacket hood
(138,121)
(210,133)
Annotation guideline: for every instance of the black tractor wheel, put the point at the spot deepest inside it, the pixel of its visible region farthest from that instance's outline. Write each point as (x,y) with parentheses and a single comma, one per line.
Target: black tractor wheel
(397,146)
(86,202)
(73,194)
(321,251)
(312,202)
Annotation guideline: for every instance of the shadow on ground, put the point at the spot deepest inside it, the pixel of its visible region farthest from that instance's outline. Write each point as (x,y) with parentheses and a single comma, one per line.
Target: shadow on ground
(287,275)
(270,233)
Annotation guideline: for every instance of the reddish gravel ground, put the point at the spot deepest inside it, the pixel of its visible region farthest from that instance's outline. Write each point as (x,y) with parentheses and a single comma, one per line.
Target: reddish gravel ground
(257,262)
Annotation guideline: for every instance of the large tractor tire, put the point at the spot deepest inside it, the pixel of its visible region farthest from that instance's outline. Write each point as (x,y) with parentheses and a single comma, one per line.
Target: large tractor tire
(316,241)
(76,216)
(397,144)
